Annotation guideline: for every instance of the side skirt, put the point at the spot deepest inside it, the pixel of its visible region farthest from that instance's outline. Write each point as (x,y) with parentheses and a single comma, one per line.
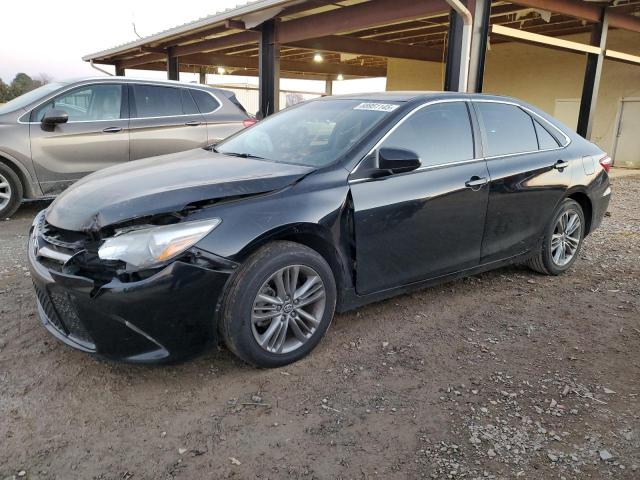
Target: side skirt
(349,298)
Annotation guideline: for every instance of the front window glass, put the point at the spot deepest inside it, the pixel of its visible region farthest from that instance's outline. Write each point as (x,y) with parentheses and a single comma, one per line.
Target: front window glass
(314,133)
(440,133)
(89,103)
(30,97)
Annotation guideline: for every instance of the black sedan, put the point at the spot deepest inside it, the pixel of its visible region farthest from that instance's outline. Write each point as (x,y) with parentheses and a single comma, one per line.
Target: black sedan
(325,206)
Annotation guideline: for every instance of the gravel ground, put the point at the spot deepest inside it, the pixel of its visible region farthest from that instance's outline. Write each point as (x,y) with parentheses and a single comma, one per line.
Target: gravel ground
(508,374)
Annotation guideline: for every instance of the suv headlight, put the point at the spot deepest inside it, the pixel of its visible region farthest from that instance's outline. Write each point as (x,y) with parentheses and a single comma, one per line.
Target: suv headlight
(150,246)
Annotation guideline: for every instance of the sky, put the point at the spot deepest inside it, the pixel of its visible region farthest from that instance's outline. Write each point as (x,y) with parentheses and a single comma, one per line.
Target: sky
(49,37)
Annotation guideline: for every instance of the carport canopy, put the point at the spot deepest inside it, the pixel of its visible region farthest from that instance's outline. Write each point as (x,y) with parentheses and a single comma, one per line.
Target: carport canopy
(327,40)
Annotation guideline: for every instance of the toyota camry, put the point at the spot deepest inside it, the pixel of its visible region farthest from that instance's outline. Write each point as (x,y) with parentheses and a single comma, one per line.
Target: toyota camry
(328,205)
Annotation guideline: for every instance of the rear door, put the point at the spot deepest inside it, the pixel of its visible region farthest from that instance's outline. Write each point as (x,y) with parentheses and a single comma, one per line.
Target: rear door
(164,119)
(425,223)
(222,118)
(96,135)
(530,172)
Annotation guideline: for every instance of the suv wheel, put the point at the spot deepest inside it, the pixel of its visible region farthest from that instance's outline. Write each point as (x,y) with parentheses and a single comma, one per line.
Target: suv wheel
(10,191)
(279,305)
(562,240)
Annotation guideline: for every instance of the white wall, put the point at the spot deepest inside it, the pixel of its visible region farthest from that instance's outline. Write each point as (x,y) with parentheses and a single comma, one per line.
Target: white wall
(539,76)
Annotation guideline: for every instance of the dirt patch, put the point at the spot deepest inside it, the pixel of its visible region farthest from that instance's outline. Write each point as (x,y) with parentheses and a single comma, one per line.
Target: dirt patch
(508,374)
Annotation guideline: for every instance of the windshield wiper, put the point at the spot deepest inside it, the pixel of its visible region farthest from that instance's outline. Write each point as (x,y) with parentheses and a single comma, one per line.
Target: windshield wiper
(242,155)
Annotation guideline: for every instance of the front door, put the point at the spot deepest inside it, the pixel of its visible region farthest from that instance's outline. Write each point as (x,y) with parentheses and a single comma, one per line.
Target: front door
(530,173)
(425,223)
(95,136)
(164,120)
(627,150)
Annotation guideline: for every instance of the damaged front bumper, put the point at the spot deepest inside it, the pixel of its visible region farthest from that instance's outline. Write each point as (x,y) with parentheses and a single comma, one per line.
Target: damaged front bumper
(164,317)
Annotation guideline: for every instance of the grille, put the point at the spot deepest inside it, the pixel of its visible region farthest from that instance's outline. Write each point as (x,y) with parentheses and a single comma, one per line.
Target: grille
(70,318)
(65,239)
(49,310)
(62,315)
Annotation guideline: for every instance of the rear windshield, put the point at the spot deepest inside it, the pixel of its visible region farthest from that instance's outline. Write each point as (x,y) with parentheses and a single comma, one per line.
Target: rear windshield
(315,133)
(30,97)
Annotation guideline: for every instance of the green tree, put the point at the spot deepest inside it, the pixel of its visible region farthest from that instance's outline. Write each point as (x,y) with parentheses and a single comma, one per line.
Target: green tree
(4,92)
(22,83)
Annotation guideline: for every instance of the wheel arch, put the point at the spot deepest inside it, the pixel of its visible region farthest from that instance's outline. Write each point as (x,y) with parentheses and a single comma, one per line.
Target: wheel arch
(587,208)
(28,188)
(317,238)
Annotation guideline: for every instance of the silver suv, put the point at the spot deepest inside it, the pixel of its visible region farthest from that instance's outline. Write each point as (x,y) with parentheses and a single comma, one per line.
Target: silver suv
(56,134)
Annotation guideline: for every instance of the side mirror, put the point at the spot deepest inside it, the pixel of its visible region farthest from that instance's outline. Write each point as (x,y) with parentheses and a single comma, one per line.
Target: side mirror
(398,160)
(55,116)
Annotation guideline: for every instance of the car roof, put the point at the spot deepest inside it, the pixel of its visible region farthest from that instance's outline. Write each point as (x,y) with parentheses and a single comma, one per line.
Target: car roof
(407,96)
(114,78)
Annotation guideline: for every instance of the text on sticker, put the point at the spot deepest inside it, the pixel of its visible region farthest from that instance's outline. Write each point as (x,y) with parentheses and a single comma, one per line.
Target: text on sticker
(378,107)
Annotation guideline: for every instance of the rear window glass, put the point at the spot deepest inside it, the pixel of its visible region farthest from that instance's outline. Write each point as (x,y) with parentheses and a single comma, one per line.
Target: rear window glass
(188,105)
(509,129)
(206,103)
(545,139)
(156,101)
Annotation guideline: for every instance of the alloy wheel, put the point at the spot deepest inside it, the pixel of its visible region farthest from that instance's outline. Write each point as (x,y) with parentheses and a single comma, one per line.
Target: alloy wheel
(288,309)
(5,192)
(566,238)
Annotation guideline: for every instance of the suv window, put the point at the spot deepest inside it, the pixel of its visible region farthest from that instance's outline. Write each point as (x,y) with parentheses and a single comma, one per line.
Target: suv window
(440,133)
(545,139)
(156,101)
(206,103)
(509,129)
(188,105)
(91,102)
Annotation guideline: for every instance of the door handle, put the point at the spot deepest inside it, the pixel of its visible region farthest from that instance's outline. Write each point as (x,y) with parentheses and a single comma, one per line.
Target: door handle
(112,129)
(193,123)
(560,165)
(476,181)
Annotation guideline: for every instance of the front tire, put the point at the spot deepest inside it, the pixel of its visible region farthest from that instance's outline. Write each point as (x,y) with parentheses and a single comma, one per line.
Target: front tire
(10,191)
(562,240)
(279,305)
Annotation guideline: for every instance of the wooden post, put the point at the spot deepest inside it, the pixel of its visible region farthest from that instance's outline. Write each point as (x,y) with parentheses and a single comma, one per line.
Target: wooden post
(173,72)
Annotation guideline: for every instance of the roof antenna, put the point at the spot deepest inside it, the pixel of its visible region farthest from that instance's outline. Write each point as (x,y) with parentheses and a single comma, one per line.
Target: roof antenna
(134,29)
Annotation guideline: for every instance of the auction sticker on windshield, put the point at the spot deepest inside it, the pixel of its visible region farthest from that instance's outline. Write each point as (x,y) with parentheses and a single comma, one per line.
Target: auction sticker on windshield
(378,107)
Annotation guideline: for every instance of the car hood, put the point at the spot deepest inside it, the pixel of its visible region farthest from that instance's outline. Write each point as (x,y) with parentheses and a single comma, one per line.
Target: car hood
(165,184)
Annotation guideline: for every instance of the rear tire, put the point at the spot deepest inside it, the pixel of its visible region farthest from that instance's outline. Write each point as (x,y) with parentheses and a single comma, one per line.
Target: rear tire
(562,240)
(279,305)
(10,191)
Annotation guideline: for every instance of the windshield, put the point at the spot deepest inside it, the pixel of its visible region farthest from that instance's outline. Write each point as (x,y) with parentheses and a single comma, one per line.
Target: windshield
(314,133)
(29,97)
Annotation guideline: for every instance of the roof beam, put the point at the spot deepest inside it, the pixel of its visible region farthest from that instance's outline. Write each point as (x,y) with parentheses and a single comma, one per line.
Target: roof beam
(336,43)
(141,60)
(586,11)
(207,59)
(227,41)
(573,8)
(624,22)
(159,66)
(622,57)
(359,16)
(543,40)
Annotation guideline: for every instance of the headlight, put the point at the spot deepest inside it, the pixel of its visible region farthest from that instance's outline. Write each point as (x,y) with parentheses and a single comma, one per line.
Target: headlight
(149,246)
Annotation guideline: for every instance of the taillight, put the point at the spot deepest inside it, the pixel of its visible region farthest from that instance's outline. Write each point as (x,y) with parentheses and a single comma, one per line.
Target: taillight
(248,122)
(606,162)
